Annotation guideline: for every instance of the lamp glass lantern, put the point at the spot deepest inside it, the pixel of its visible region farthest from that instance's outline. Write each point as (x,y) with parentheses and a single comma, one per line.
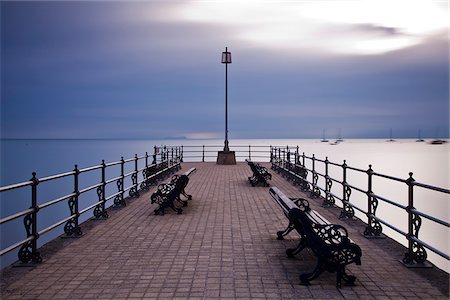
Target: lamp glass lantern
(226,57)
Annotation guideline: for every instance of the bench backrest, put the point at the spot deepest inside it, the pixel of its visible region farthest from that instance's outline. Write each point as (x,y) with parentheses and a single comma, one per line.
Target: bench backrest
(320,236)
(282,200)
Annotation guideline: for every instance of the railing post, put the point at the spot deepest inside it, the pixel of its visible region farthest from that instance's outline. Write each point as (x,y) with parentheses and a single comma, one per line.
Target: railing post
(315,193)
(416,255)
(347,211)
(203,154)
(100,210)
(165,157)
(249,153)
(297,156)
(119,199)
(287,153)
(303,159)
(72,227)
(28,252)
(146,160)
(145,174)
(134,179)
(270,153)
(181,156)
(373,228)
(172,155)
(329,199)
(154,155)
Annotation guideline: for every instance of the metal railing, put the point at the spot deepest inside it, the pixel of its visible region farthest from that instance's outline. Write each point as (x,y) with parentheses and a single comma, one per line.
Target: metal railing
(164,161)
(295,166)
(208,153)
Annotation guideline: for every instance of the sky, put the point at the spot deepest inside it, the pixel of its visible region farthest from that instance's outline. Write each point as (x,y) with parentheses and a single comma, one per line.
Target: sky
(152,69)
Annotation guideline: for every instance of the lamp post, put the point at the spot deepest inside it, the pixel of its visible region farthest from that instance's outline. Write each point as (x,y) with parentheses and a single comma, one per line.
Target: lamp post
(226,157)
(226,59)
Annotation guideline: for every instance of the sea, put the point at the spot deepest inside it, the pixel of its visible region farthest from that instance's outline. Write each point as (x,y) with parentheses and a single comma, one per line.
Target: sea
(429,164)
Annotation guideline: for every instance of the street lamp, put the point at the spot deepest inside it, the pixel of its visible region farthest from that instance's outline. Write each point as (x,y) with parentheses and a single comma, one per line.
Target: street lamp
(226,59)
(226,157)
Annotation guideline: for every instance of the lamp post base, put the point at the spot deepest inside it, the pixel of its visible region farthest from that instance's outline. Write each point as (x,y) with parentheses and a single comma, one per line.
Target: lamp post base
(226,158)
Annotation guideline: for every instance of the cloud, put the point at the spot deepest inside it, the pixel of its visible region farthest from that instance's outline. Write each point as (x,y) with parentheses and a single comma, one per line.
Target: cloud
(366,27)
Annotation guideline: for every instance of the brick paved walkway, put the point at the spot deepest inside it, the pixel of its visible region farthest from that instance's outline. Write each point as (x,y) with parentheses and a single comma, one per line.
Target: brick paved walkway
(223,246)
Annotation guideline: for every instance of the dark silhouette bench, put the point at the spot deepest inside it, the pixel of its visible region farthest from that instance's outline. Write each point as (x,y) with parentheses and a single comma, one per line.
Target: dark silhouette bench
(167,193)
(260,174)
(329,242)
(291,171)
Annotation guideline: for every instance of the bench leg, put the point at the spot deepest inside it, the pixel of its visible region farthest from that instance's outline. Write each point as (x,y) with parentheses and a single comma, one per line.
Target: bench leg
(182,202)
(305,278)
(189,197)
(291,252)
(342,275)
(159,211)
(281,234)
(175,209)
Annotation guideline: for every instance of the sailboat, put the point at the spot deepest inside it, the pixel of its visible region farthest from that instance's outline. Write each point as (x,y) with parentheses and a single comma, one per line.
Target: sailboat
(323,137)
(390,137)
(419,139)
(437,141)
(338,139)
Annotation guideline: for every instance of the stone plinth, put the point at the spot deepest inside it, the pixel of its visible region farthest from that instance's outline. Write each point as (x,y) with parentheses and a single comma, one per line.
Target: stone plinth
(226,158)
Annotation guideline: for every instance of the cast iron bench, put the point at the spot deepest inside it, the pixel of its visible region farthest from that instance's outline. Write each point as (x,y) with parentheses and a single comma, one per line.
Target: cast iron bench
(260,174)
(329,242)
(167,193)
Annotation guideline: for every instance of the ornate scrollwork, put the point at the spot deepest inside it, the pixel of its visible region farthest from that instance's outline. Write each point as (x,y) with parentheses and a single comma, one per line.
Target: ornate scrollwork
(417,253)
(347,211)
(329,198)
(99,210)
(28,222)
(315,192)
(26,253)
(71,227)
(374,227)
(330,233)
(100,213)
(145,185)
(134,191)
(302,203)
(118,199)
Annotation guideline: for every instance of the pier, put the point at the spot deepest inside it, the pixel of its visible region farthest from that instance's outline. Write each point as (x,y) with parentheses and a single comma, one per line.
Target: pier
(223,246)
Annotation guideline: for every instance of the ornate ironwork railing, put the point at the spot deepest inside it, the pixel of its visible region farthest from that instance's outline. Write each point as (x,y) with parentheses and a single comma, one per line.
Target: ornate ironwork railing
(303,169)
(142,174)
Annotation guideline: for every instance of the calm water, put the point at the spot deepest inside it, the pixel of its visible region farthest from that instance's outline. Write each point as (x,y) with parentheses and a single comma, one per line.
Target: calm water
(429,163)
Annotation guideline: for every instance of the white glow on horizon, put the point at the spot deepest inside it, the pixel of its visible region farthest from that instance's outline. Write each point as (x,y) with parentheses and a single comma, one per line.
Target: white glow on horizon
(349,27)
